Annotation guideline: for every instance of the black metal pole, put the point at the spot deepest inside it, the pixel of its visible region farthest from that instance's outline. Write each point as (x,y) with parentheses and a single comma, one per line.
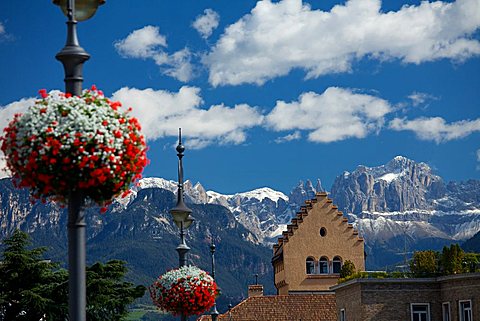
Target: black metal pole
(214,312)
(72,56)
(182,248)
(77,294)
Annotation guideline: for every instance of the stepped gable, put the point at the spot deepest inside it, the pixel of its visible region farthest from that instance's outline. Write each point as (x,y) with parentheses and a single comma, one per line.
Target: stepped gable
(311,251)
(304,212)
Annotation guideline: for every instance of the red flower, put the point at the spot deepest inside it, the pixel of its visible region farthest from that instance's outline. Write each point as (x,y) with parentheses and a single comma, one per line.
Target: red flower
(54,161)
(43,93)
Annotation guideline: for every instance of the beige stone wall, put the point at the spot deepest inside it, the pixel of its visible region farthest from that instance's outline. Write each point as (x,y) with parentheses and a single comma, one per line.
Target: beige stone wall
(304,240)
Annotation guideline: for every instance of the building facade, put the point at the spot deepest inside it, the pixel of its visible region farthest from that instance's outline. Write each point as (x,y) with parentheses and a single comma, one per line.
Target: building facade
(310,254)
(447,298)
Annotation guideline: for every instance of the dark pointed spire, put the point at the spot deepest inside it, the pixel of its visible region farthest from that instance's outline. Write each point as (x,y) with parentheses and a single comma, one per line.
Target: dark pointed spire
(180,212)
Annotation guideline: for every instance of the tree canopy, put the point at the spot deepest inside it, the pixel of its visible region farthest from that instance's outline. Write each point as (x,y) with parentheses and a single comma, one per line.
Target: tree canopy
(32,288)
(452,260)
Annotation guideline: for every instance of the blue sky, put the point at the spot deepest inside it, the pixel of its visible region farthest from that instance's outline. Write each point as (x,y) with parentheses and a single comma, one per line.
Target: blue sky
(270,92)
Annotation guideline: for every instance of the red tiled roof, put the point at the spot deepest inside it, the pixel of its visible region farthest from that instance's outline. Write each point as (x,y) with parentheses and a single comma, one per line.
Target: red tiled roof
(304,307)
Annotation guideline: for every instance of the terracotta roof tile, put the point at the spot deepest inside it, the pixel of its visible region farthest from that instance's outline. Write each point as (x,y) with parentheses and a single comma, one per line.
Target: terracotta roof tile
(305,307)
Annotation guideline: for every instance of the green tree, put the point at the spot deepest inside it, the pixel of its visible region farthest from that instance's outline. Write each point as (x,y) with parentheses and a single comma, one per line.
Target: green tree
(471,262)
(424,263)
(107,294)
(451,261)
(347,269)
(32,288)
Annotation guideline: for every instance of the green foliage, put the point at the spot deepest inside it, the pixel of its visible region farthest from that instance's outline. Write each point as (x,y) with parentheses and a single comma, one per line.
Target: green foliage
(347,269)
(424,263)
(429,263)
(365,275)
(471,262)
(32,288)
(107,295)
(451,260)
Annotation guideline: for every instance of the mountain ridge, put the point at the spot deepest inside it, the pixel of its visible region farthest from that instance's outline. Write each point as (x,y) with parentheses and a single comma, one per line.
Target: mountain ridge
(400,202)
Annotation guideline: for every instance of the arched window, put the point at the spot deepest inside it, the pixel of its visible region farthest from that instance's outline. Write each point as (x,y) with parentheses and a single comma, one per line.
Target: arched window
(323,264)
(310,264)
(337,264)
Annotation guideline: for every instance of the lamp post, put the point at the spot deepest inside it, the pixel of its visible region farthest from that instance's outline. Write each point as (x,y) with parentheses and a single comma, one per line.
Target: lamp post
(72,56)
(214,312)
(181,213)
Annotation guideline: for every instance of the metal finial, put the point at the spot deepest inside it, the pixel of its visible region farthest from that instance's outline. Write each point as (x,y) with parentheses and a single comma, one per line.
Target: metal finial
(180,150)
(256,279)
(212,247)
(180,147)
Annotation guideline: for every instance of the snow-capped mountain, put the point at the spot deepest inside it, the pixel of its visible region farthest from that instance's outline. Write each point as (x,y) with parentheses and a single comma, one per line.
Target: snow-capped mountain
(400,199)
(263,211)
(396,205)
(404,202)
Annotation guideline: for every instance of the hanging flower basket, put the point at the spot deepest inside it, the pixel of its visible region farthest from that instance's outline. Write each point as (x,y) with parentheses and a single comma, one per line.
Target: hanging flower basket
(187,290)
(63,144)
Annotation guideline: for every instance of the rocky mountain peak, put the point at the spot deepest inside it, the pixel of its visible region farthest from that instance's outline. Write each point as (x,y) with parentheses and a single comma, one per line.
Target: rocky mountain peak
(319,187)
(399,185)
(302,192)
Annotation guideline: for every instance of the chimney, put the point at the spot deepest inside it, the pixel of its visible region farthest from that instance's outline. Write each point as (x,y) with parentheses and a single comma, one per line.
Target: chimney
(255,290)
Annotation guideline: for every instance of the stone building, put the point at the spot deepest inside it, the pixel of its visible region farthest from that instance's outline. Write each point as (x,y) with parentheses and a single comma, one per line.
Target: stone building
(310,254)
(446,298)
(307,260)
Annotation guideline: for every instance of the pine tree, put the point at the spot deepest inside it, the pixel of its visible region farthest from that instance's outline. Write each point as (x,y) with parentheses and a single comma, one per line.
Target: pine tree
(107,294)
(29,285)
(33,289)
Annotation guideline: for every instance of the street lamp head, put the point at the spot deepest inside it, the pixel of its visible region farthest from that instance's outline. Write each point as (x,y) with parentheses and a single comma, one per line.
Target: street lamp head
(84,9)
(188,222)
(180,213)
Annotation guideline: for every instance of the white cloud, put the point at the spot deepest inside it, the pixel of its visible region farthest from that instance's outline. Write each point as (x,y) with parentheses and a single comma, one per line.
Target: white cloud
(141,43)
(335,115)
(148,43)
(206,23)
(2,29)
(6,115)
(161,113)
(436,129)
(288,138)
(180,66)
(419,98)
(277,37)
